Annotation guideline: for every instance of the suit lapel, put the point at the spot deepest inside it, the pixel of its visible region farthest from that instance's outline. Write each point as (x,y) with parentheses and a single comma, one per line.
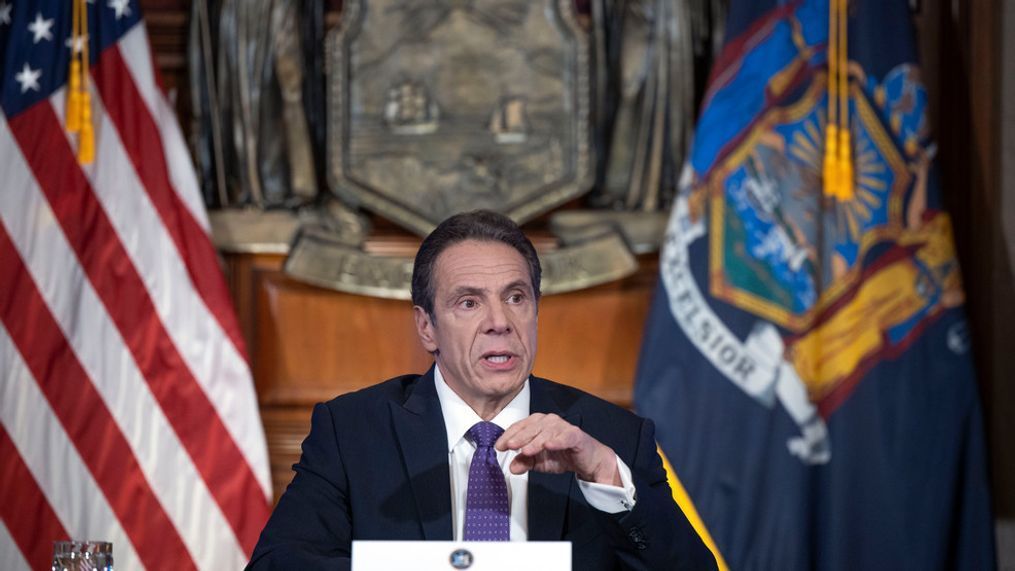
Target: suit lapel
(419,426)
(548,493)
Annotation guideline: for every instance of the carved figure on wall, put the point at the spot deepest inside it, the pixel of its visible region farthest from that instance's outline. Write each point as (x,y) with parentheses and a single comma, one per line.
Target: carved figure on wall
(255,147)
(253,143)
(653,55)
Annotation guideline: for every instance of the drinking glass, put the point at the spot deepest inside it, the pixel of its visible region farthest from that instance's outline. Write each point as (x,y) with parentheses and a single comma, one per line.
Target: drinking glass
(82,556)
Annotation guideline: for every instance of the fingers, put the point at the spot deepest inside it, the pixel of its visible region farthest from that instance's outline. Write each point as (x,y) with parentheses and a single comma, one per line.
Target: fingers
(544,442)
(531,435)
(522,432)
(522,464)
(548,443)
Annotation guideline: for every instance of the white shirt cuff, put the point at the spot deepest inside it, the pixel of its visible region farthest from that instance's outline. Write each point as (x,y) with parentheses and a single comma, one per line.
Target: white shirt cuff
(607,498)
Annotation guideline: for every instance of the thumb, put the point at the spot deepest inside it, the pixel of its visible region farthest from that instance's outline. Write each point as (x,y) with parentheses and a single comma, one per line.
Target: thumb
(522,464)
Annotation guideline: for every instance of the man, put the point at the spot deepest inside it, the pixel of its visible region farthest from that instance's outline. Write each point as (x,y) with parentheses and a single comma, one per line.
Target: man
(477,448)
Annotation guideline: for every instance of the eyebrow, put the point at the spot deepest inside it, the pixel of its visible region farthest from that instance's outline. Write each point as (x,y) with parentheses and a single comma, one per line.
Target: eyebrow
(465,290)
(518,284)
(473,290)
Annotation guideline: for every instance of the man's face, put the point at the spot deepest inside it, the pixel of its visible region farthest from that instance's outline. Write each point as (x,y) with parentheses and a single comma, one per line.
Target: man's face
(485,323)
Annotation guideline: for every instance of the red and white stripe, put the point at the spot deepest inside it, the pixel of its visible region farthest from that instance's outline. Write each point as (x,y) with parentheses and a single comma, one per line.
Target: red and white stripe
(10,555)
(124,392)
(47,473)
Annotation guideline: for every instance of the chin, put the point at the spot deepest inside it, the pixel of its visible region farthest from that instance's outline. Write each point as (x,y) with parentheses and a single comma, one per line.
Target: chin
(506,383)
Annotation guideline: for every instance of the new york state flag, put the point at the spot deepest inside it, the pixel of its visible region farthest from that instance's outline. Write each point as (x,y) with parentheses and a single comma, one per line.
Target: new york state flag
(807,359)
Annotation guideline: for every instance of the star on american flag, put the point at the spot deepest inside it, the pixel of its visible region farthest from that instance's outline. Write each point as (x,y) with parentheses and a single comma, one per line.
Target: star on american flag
(28,78)
(41,28)
(120,7)
(5,13)
(76,43)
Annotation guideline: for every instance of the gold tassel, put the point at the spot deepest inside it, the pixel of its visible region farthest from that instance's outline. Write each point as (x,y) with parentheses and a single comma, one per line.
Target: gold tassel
(837,164)
(86,138)
(830,164)
(845,132)
(845,187)
(73,119)
(74,97)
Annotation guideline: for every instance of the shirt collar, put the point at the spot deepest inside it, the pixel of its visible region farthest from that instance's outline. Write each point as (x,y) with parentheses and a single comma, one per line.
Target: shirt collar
(459,416)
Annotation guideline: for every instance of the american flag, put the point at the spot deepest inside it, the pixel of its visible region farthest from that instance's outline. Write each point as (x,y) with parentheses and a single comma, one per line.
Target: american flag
(127,411)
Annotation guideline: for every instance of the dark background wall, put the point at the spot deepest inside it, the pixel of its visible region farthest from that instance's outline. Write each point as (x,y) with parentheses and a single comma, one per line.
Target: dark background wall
(962,47)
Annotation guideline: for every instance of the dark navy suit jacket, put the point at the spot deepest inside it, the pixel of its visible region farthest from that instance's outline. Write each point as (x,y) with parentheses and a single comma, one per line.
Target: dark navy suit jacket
(375,466)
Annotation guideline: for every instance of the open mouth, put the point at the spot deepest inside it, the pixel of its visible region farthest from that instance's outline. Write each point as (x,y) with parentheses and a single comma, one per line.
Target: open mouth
(497,359)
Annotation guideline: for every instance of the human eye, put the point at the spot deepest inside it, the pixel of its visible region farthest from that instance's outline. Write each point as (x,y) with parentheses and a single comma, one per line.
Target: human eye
(468,303)
(516,298)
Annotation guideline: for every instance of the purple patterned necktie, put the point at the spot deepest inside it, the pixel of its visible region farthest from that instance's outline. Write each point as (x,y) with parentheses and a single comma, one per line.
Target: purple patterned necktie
(487,515)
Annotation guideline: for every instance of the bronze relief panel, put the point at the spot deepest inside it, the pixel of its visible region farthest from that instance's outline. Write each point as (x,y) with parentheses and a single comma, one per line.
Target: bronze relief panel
(450,105)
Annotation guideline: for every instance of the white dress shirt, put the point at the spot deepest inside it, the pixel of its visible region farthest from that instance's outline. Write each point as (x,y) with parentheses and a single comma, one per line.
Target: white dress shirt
(459,418)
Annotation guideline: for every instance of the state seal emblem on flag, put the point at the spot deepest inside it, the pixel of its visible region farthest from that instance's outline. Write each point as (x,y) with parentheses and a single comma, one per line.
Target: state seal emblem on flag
(836,275)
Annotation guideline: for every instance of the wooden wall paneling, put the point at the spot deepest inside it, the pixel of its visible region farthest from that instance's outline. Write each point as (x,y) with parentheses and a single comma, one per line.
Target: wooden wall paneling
(285,428)
(312,343)
(592,338)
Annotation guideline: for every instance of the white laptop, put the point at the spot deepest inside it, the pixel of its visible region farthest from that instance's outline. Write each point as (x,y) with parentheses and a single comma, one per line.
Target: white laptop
(471,555)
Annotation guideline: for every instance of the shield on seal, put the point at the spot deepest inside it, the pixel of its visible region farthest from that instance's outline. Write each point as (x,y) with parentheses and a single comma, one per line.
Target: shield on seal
(445,106)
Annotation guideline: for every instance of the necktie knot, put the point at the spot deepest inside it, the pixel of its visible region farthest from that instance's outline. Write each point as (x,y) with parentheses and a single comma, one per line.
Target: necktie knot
(483,434)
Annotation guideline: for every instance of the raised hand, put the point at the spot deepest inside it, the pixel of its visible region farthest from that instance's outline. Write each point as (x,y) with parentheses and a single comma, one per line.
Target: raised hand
(548,443)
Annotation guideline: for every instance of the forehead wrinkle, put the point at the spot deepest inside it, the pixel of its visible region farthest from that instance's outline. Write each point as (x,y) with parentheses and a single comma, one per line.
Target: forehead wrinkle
(479,266)
(508,271)
(464,269)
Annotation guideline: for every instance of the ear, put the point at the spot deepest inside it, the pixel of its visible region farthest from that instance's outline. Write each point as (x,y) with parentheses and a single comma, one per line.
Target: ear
(425,329)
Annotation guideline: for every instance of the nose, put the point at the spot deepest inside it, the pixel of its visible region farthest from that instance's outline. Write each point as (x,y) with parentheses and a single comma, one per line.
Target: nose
(497,320)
